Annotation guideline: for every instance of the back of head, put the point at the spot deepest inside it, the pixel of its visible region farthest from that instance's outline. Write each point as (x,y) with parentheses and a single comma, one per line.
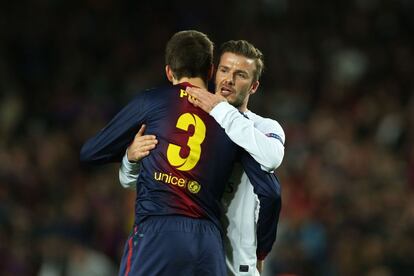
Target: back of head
(246,49)
(189,54)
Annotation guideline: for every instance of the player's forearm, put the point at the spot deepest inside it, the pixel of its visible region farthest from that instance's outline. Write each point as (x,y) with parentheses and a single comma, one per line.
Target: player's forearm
(109,144)
(267,226)
(99,150)
(267,151)
(267,187)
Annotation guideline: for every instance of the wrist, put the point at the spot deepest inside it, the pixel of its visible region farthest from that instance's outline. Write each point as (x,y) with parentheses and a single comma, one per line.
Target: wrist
(128,158)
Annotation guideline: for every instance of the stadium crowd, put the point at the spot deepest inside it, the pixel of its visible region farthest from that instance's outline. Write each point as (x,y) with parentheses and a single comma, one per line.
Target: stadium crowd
(339,77)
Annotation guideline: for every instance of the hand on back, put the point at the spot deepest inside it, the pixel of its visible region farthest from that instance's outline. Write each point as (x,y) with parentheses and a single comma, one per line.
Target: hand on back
(204,99)
(141,146)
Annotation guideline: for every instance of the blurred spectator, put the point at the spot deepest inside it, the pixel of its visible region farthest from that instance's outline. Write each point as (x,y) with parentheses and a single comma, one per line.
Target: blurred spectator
(71,258)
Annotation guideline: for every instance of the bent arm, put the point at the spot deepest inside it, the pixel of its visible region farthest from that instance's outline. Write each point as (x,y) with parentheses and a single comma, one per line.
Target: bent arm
(264,141)
(267,187)
(130,165)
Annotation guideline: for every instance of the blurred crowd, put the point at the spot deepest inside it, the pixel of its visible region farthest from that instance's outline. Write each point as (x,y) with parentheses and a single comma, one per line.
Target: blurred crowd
(339,77)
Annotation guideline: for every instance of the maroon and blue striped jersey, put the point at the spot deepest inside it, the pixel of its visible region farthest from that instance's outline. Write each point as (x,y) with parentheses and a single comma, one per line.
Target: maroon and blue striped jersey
(186,173)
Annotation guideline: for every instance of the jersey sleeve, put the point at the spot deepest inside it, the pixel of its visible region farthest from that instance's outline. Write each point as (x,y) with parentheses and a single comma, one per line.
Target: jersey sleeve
(109,144)
(267,187)
(266,145)
(128,173)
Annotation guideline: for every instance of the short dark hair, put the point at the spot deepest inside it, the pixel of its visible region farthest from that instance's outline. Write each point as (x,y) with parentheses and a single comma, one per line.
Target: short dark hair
(189,54)
(246,49)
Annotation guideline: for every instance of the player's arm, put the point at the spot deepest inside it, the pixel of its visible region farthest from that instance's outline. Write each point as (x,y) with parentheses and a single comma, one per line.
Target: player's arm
(130,165)
(267,187)
(266,145)
(109,144)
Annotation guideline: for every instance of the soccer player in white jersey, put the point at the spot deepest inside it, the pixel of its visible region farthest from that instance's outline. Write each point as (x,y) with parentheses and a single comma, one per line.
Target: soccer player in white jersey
(237,78)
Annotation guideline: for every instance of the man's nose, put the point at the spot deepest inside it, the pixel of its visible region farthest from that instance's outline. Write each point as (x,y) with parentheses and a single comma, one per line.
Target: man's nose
(229,79)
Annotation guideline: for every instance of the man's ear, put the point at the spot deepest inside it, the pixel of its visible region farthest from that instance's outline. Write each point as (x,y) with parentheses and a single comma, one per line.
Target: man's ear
(169,73)
(255,85)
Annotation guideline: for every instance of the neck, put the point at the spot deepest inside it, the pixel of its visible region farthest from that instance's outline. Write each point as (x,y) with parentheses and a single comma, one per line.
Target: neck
(243,109)
(194,81)
(243,106)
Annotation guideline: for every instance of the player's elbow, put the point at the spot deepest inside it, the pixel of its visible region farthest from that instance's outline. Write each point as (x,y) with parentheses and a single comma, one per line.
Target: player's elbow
(279,154)
(90,154)
(85,154)
(273,161)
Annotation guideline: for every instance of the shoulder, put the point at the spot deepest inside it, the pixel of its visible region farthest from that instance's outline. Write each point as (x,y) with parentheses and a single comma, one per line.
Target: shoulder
(260,121)
(268,126)
(151,95)
(153,90)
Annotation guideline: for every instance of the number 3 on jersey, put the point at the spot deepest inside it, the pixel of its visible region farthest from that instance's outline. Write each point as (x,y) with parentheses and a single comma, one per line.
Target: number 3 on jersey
(194,143)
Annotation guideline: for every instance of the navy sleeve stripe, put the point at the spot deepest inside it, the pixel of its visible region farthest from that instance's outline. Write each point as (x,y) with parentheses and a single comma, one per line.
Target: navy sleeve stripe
(274,135)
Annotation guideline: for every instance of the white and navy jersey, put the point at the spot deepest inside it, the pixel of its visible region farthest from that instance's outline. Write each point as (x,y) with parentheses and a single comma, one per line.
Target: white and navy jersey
(250,233)
(250,223)
(241,206)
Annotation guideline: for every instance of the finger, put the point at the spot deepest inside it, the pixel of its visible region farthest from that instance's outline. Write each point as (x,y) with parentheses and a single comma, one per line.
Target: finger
(193,101)
(147,138)
(141,131)
(150,137)
(200,95)
(143,140)
(199,91)
(148,147)
(193,92)
(138,155)
(147,143)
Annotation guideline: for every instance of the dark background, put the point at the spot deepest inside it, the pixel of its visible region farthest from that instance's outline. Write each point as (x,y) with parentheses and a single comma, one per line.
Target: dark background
(339,78)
